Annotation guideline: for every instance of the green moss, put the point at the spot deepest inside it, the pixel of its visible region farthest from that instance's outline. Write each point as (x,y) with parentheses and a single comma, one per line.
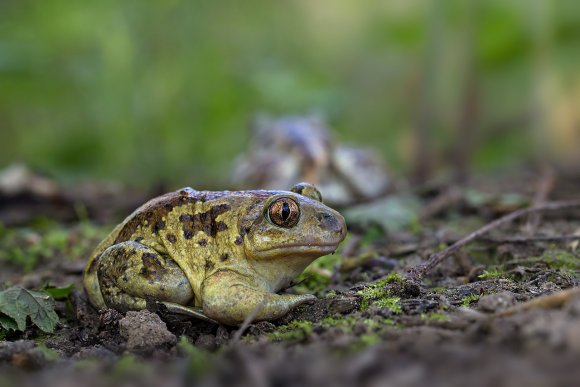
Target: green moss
(391,303)
(435,316)
(345,323)
(393,277)
(368,340)
(468,300)
(492,273)
(295,331)
(371,324)
(298,330)
(198,359)
(370,294)
(558,259)
(378,293)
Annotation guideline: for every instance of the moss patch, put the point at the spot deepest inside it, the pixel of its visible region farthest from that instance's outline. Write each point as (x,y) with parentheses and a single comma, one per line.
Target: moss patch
(380,294)
(297,330)
(468,300)
(435,316)
(558,259)
(491,273)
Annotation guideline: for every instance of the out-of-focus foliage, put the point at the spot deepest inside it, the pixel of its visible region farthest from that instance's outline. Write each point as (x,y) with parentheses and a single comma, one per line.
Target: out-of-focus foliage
(148,91)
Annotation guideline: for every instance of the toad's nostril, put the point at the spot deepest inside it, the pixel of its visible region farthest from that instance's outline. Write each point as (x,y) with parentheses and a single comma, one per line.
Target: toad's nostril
(329,223)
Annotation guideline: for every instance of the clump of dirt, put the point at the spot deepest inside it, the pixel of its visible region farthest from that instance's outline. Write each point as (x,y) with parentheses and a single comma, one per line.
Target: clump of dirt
(145,332)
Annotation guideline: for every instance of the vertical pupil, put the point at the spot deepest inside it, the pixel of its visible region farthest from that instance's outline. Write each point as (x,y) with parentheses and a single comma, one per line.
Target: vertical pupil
(285,211)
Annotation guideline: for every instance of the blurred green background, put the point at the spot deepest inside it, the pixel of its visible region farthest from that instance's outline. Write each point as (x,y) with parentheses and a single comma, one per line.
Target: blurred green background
(150,91)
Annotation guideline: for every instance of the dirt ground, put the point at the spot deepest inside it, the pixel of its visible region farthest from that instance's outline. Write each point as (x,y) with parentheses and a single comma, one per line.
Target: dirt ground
(371,325)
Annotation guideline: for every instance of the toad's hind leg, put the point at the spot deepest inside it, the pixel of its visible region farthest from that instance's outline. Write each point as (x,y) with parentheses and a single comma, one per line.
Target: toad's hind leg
(130,273)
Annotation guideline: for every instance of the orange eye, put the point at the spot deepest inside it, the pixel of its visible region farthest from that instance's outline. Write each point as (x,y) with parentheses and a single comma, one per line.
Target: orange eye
(284,212)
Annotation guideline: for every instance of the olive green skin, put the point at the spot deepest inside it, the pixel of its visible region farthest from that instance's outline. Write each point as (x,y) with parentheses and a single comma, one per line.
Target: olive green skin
(218,252)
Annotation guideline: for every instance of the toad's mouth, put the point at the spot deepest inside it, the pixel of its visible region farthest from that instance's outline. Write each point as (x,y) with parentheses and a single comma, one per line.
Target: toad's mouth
(298,249)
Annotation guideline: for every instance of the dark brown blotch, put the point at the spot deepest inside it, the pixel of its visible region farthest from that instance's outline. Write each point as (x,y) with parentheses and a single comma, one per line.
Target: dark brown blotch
(202,242)
(244,230)
(158,226)
(224,257)
(152,268)
(239,240)
(209,265)
(205,222)
(171,238)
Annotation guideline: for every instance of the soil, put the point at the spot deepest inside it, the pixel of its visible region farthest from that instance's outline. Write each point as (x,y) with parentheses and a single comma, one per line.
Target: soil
(470,321)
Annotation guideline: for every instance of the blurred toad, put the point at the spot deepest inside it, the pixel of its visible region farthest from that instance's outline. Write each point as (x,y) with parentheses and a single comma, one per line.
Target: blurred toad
(300,148)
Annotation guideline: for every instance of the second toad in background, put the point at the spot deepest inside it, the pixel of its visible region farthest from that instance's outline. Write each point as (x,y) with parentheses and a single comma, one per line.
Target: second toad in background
(301,148)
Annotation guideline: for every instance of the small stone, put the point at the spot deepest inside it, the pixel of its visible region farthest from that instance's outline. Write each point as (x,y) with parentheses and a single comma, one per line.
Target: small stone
(145,332)
(496,302)
(341,304)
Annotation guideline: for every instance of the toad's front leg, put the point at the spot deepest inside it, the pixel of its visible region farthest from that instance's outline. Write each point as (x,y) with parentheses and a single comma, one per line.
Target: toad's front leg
(230,299)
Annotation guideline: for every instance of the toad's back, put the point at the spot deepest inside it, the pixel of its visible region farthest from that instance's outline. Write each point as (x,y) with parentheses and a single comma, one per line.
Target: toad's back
(185,223)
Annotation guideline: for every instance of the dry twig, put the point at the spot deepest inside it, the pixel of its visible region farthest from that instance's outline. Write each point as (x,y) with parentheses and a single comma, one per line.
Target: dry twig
(550,301)
(545,186)
(523,239)
(419,271)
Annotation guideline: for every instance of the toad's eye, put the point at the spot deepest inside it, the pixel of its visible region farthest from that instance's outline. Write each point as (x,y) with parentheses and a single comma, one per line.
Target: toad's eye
(284,212)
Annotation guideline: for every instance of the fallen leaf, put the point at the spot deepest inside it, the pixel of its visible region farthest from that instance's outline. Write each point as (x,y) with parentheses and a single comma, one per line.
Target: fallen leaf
(59,293)
(19,303)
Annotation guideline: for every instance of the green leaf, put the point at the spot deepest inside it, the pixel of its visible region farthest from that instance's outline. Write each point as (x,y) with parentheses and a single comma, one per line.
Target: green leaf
(19,303)
(8,323)
(59,293)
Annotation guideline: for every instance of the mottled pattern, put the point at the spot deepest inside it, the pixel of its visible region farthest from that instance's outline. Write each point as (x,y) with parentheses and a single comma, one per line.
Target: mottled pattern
(205,222)
(219,251)
(154,212)
(153,269)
